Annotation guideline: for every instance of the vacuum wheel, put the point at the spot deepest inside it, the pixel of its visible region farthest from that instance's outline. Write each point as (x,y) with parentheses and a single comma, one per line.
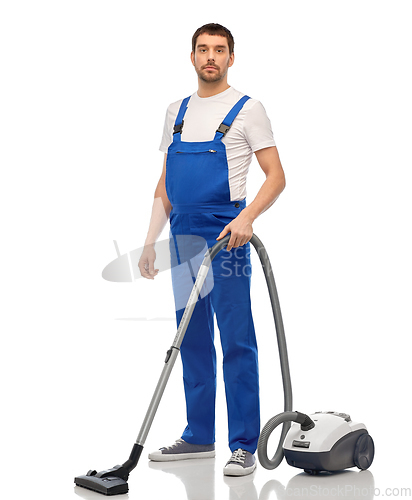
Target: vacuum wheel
(364,452)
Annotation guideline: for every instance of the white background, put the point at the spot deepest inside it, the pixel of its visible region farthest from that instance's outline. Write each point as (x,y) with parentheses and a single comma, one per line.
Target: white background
(84,90)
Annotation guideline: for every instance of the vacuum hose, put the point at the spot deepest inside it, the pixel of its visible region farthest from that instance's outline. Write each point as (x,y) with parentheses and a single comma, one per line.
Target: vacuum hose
(286,418)
(288,415)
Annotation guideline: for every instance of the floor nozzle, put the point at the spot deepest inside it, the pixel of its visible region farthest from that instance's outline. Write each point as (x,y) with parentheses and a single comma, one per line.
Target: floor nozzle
(111,481)
(109,486)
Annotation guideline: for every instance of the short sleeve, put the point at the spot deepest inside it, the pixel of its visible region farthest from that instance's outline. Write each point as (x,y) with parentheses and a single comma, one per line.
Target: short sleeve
(257,128)
(170,118)
(167,132)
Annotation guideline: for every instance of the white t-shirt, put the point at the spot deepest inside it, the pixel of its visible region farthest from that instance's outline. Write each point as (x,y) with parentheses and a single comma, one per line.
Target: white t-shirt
(250,131)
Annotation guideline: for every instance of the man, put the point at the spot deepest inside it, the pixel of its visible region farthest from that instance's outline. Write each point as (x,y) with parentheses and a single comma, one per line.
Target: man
(209,140)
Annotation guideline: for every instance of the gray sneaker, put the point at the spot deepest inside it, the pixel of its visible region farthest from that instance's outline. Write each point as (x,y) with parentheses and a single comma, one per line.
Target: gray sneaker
(241,463)
(181,450)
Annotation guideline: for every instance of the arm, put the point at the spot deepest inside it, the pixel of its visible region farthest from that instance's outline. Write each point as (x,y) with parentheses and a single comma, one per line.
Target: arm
(160,214)
(241,227)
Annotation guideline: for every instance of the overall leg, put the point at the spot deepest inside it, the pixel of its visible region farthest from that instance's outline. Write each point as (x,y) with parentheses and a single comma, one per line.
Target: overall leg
(199,374)
(231,301)
(197,350)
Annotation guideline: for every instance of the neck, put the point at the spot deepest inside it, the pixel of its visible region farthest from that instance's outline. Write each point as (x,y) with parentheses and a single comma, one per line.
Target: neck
(206,89)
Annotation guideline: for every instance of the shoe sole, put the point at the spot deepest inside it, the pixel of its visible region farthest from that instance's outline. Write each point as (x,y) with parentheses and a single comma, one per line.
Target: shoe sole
(239,471)
(174,457)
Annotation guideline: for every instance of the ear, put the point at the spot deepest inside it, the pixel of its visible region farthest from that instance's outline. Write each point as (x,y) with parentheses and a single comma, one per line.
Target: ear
(192,57)
(231,59)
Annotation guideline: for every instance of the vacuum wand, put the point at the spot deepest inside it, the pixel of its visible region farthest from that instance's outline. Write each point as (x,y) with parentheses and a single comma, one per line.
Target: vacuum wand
(114,481)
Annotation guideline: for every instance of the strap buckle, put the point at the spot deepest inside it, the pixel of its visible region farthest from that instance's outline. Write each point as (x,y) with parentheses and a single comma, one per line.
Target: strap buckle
(178,128)
(223,128)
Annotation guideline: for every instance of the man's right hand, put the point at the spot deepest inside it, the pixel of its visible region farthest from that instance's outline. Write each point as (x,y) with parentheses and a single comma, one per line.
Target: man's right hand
(146,262)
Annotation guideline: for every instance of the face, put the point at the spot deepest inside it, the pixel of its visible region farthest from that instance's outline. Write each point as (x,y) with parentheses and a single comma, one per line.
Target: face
(211,58)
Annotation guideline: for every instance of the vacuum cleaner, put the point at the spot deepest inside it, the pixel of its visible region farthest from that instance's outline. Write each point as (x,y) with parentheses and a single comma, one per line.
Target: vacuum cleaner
(323,441)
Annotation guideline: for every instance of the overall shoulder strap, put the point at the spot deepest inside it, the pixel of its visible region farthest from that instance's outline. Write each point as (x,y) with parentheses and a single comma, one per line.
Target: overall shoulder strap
(227,122)
(177,129)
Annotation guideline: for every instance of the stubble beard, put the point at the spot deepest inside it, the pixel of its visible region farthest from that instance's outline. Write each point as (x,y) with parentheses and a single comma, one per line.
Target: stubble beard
(212,77)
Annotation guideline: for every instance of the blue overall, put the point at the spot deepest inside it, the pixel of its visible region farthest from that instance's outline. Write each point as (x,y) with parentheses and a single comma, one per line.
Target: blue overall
(197,186)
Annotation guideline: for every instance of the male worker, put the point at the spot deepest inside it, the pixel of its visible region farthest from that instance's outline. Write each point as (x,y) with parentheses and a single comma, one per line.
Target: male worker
(209,139)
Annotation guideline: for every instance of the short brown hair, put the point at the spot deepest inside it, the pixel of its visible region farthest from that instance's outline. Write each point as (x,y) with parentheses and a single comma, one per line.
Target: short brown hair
(214,29)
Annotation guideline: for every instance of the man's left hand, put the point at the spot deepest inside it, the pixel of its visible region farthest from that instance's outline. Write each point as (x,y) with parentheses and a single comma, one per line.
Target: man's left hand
(241,231)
